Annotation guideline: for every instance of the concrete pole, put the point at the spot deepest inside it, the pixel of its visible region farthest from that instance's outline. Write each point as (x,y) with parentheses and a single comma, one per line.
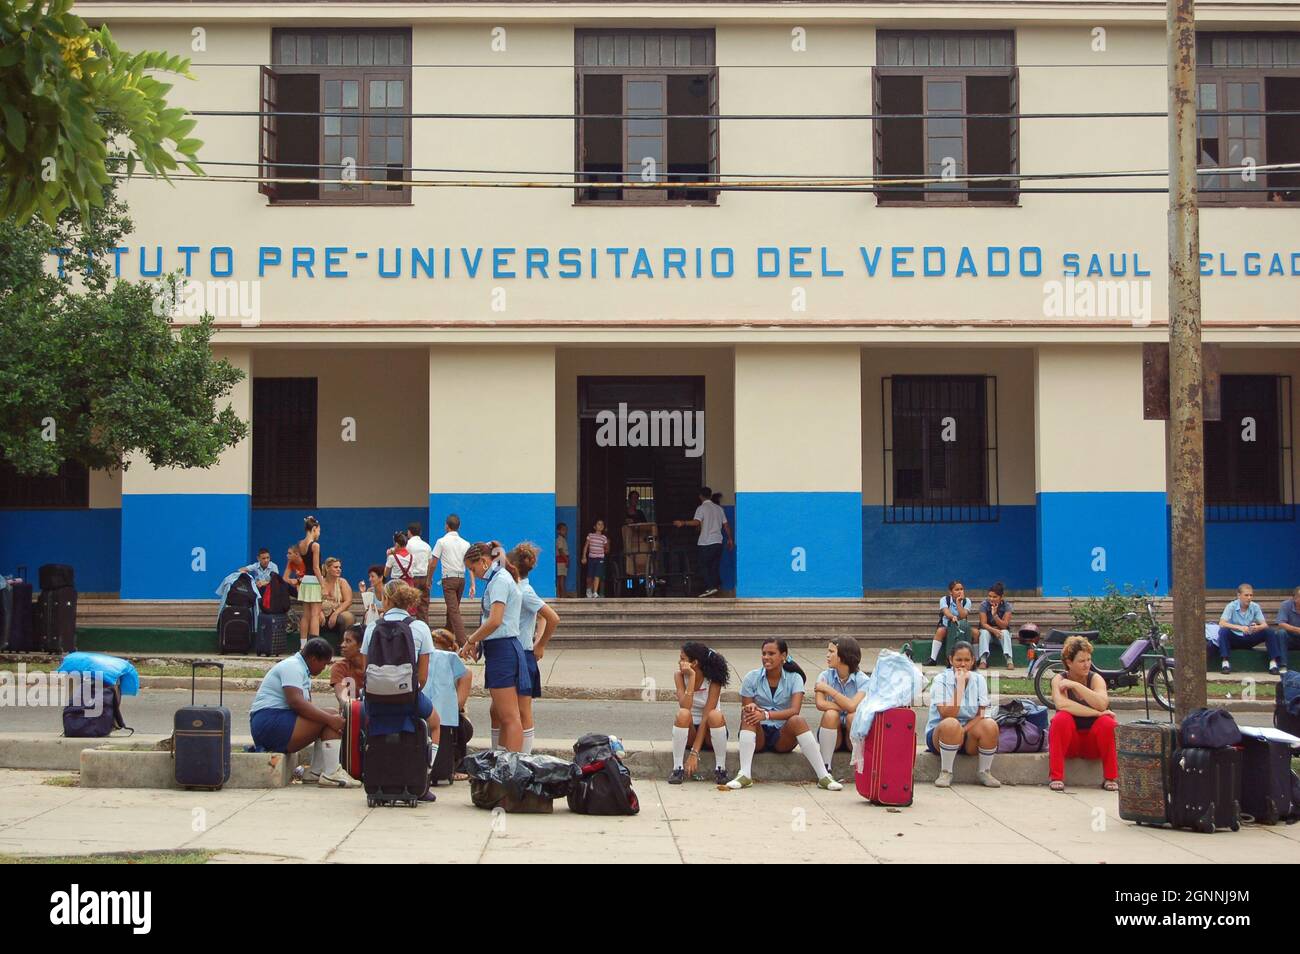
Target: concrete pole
(1185,427)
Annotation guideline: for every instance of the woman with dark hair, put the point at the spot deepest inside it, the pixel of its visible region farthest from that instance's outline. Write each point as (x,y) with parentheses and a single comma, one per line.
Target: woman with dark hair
(959,697)
(840,689)
(523,558)
(505,670)
(399,562)
(770,699)
(305,562)
(699,680)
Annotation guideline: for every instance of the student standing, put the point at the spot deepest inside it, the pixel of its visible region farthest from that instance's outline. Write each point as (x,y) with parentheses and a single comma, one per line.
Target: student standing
(505,671)
(995,617)
(959,697)
(840,689)
(449,552)
(594,550)
(421,553)
(770,699)
(561,560)
(954,610)
(524,557)
(306,563)
(712,521)
(699,680)
(400,562)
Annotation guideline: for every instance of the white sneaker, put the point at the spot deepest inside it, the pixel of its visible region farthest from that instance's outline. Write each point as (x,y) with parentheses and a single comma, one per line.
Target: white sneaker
(337,779)
(828,784)
(987,780)
(944,780)
(739,782)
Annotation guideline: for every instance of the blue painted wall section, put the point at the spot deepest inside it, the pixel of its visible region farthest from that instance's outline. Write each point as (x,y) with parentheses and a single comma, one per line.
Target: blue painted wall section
(160,532)
(912,556)
(827,525)
(1132,527)
(509,518)
(90,541)
(358,536)
(1265,554)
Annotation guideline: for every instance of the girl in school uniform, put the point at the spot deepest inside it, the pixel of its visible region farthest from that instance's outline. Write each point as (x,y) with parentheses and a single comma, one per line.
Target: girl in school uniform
(594,551)
(700,678)
(959,697)
(770,700)
(305,562)
(561,560)
(839,690)
(505,670)
(524,557)
(954,610)
(398,564)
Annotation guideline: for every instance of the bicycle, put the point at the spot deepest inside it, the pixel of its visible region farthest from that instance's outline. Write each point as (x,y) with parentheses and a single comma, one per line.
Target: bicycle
(1158,678)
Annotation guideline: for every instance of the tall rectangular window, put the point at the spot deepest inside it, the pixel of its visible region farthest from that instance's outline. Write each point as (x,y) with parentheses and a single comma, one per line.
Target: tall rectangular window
(68,489)
(1243,76)
(933,81)
(284,442)
(1248,465)
(351,91)
(940,451)
(659,90)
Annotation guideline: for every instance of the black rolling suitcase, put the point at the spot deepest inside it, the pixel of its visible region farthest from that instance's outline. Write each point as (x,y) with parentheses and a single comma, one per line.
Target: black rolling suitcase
(55,576)
(397,767)
(1266,780)
(444,763)
(19,630)
(1206,789)
(56,614)
(201,738)
(1282,717)
(272,629)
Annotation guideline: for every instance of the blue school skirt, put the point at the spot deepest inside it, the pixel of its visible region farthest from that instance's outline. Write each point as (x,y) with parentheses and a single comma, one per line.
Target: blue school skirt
(273,728)
(504,665)
(534,675)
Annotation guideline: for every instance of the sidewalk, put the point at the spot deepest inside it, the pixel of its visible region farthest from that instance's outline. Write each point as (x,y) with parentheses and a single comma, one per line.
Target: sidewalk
(691,823)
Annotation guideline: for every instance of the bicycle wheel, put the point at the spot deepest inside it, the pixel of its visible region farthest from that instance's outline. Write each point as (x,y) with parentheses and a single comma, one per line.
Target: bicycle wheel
(1047,669)
(1160,680)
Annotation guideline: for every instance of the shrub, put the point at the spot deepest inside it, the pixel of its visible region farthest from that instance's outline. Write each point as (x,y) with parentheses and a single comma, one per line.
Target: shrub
(1105,615)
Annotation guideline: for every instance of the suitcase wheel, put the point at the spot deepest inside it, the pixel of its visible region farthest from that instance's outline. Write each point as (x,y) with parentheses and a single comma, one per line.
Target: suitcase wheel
(370,802)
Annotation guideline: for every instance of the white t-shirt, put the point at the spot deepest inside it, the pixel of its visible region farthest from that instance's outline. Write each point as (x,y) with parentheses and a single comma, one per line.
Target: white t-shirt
(711,518)
(420,553)
(451,549)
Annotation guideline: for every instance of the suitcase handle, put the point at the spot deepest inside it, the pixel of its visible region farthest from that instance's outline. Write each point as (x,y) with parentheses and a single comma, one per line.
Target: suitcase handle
(198,664)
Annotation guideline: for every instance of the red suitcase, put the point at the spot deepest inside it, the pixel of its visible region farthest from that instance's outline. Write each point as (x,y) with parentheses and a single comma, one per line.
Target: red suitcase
(354,740)
(889,757)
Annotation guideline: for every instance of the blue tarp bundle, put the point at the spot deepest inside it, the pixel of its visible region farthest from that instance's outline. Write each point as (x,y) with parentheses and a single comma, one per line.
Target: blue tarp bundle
(116,670)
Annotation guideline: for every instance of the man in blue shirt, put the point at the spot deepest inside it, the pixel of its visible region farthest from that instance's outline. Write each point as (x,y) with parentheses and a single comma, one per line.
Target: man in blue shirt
(1286,631)
(1242,626)
(263,569)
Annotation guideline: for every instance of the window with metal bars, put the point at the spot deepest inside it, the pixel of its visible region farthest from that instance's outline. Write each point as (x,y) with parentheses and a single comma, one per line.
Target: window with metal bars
(940,448)
(646,76)
(68,489)
(1238,74)
(284,442)
(941,75)
(1248,463)
(333,105)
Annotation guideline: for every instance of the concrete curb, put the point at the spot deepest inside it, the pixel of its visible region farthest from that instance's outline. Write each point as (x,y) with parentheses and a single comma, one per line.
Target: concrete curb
(125,767)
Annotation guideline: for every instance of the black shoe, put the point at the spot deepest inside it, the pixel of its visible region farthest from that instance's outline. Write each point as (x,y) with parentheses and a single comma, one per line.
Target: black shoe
(678,776)
(932,662)
(720,776)
(428,797)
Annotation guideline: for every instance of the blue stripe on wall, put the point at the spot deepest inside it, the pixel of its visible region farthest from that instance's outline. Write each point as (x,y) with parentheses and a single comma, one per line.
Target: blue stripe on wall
(825,526)
(509,518)
(1265,554)
(1131,527)
(160,533)
(911,556)
(358,536)
(90,541)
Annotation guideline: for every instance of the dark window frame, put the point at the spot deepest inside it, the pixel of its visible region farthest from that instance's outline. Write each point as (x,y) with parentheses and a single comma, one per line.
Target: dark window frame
(645,197)
(983,506)
(1278,506)
(271,397)
(935,196)
(364,74)
(69,489)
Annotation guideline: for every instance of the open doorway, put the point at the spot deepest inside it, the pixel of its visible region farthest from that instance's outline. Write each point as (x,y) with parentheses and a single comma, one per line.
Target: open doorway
(642,435)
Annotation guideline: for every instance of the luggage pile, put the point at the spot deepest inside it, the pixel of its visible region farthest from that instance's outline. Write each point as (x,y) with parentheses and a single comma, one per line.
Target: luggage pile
(17,627)
(518,783)
(48,626)
(237,617)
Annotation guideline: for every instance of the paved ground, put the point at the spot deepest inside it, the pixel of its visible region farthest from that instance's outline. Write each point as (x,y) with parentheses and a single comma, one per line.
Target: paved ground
(691,823)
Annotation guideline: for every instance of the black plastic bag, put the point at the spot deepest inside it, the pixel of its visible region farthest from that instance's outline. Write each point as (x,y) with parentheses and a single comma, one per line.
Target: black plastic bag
(520,775)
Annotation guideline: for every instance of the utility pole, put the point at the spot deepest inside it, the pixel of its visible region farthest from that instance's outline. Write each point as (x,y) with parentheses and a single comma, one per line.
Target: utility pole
(1185,428)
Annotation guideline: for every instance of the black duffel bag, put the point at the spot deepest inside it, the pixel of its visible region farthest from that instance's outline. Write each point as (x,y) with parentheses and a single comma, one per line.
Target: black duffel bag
(95,711)
(1209,729)
(605,786)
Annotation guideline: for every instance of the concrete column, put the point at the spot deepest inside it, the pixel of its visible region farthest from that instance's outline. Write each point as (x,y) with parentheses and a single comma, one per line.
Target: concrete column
(495,465)
(183,531)
(798,471)
(1102,516)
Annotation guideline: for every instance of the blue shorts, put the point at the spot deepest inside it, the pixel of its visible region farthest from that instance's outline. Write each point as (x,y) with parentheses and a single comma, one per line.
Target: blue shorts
(273,728)
(504,665)
(596,569)
(534,675)
(929,743)
(384,718)
(770,734)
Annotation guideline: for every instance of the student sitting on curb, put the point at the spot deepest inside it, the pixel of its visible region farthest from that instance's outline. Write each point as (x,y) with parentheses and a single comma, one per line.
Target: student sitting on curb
(959,697)
(839,690)
(1084,726)
(699,680)
(954,610)
(283,718)
(995,617)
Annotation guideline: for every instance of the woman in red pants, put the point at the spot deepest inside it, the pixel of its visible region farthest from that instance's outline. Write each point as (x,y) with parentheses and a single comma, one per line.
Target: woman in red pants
(1084,726)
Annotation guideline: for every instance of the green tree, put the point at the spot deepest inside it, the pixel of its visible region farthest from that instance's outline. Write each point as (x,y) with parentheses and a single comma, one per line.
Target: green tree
(92,368)
(62,85)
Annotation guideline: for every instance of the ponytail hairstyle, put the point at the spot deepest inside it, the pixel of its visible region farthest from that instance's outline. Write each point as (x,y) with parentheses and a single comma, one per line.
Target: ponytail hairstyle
(500,556)
(784,650)
(712,665)
(400,538)
(309,524)
(524,558)
(850,653)
(478,551)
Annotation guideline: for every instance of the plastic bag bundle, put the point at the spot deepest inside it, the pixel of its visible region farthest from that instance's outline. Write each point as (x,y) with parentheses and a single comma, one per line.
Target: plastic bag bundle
(519,774)
(115,670)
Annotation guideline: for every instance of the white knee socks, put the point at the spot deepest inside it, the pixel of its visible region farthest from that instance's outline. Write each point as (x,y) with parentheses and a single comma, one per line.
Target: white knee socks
(680,738)
(496,738)
(827,738)
(528,740)
(948,755)
(748,742)
(329,756)
(936,645)
(986,758)
(317,756)
(433,753)
(813,753)
(718,737)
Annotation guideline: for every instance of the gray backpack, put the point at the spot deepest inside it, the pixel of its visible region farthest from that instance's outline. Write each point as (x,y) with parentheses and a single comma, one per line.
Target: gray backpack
(391,663)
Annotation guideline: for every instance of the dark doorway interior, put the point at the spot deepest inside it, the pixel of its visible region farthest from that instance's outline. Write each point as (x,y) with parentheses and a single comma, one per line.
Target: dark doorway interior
(667,479)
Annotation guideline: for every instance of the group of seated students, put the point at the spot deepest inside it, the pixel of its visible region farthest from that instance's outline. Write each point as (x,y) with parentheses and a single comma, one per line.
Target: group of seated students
(284,719)
(1242,626)
(954,623)
(771,719)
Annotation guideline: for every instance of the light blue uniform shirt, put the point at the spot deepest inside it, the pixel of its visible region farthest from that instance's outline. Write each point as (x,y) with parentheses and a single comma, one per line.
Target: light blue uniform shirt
(500,587)
(419,629)
(444,669)
(944,687)
(530,604)
(290,671)
(1237,616)
(857,681)
(755,686)
(260,575)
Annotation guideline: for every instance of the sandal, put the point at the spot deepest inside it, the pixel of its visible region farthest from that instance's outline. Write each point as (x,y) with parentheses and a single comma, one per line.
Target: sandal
(459,777)
(1057,785)
(1110,785)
